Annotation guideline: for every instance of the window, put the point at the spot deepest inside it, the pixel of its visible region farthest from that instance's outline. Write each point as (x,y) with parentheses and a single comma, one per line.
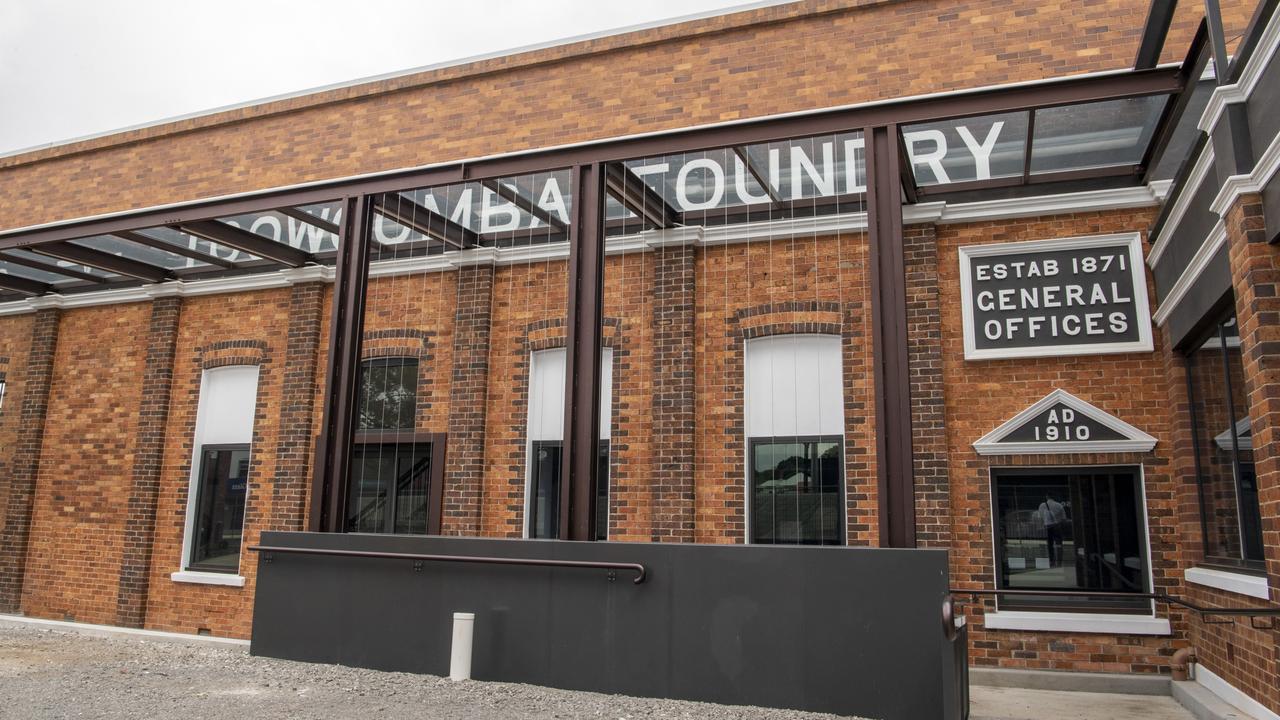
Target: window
(1228,489)
(396,472)
(546,440)
(1070,529)
(220,469)
(795,440)
(2,386)
(219,525)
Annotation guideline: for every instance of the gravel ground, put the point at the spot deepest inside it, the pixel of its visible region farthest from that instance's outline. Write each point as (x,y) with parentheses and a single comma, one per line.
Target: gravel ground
(47,674)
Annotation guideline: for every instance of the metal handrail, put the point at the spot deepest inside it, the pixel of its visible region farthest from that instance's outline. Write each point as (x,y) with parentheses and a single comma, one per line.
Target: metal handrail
(640,570)
(1204,612)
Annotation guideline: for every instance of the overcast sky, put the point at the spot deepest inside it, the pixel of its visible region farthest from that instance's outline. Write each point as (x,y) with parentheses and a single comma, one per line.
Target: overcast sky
(70,68)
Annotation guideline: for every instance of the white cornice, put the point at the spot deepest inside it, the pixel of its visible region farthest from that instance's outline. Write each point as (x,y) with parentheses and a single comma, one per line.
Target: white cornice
(1216,239)
(1010,208)
(1236,185)
(1242,89)
(1199,172)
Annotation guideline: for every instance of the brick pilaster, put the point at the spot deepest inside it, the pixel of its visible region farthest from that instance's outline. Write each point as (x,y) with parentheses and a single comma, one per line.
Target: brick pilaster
(468,393)
(928,402)
(16,534)
(672,401)
(1255,278)
(148,458)
(297,409)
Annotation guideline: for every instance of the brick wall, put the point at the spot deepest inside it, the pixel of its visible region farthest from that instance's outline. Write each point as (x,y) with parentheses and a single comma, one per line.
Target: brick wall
(928,388)
(980,395)
(815,54)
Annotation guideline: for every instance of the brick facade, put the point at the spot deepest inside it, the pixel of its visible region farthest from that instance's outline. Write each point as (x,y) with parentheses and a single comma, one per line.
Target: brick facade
(672,407)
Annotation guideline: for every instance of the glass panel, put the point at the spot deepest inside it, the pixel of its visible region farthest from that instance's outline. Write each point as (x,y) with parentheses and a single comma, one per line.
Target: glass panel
(1070,530)
(219,518)
(977,148)
(23,271)
(191,242)
(1187,132)
(140,253)
(55,263)
(1101,134)
(329,212)
(388,394)
(286,230)
(1224,444)
(544,506)
(796,491)
(390,486)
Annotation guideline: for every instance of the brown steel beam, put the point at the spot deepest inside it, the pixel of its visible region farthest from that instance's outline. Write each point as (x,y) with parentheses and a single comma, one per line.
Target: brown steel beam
(1193,66)
(894,469)
(1159,17)
(578,479)
(309,219)
(910,190)
(1011,98)
(527,205)
(187,252)
(635,195)
(50,267)
(402,210)
(23,285)
(103,261)
(341,389)
(245,241)
(763,181)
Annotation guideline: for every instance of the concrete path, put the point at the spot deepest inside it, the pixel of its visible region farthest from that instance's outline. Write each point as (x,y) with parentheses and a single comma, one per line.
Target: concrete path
(1001,703)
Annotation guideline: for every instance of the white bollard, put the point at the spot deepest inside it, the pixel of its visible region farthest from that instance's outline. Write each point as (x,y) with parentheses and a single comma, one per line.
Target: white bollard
(460,655)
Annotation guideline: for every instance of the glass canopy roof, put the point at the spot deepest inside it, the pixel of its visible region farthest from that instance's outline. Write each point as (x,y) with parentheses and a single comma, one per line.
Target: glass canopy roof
(1029,150)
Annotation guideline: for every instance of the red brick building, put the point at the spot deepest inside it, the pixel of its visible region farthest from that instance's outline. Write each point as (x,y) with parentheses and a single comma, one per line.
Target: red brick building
(772,369)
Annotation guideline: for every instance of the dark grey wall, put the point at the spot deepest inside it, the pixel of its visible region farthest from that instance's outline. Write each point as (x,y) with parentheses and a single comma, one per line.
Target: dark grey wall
(845,630)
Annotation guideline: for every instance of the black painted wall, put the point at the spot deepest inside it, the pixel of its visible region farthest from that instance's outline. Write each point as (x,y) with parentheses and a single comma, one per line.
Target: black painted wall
(847,630)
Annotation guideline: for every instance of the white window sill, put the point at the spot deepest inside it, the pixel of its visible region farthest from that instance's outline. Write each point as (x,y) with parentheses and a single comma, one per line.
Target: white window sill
(1082,622)
(207,578)
(1251,585)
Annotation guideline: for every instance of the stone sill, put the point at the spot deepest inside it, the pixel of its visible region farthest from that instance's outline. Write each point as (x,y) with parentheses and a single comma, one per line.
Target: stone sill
(207,578)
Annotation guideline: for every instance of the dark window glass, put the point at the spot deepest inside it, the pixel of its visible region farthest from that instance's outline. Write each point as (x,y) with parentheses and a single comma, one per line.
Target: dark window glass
(388,393)
(389,489)
(1070,529)
(544,505)
(219,519)
(797,491)
(1229,511)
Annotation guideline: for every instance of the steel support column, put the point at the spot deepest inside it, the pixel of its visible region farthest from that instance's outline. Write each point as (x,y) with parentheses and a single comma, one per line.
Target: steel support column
(578,478)
(894,468)
(333,451)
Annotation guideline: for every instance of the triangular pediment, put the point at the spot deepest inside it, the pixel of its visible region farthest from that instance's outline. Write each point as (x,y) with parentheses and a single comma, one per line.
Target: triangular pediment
(1063,423)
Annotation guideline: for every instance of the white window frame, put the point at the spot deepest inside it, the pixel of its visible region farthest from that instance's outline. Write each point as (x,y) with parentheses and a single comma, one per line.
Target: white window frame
(202,430)
(820,431)
(551,405)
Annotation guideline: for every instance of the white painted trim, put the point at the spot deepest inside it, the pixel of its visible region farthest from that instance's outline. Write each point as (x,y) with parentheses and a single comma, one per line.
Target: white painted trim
(207,578)
(1199,172)
(1236,185)
(1199,262)
(1230,694)
(1242,89)
(122,632)
(1136,440)
(1010,208)
(1142,310)
(1254,586)
(1081,622)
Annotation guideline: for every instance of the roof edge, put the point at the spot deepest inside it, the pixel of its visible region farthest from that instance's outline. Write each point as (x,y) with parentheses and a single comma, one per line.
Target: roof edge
(762,12)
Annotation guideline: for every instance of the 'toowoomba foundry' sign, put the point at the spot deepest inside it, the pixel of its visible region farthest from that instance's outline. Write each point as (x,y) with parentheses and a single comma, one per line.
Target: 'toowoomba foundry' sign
(1073,296)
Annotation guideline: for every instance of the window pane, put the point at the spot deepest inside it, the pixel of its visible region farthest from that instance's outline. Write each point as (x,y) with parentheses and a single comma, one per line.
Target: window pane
(1224,446)
(390,488)
(1070,530)
(140,253)
(980,148)
(796,491)
(544,506)
(224,474)
(1100,134)
(388,394)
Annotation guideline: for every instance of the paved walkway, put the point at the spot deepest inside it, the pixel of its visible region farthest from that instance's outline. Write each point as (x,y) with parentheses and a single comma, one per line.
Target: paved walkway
(998,703)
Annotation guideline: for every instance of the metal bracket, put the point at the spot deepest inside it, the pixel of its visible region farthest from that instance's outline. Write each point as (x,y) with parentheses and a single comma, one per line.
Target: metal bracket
(417,566)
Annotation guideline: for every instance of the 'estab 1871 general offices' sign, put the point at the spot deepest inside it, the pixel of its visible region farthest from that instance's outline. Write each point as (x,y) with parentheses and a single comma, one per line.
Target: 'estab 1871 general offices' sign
(1073,296)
